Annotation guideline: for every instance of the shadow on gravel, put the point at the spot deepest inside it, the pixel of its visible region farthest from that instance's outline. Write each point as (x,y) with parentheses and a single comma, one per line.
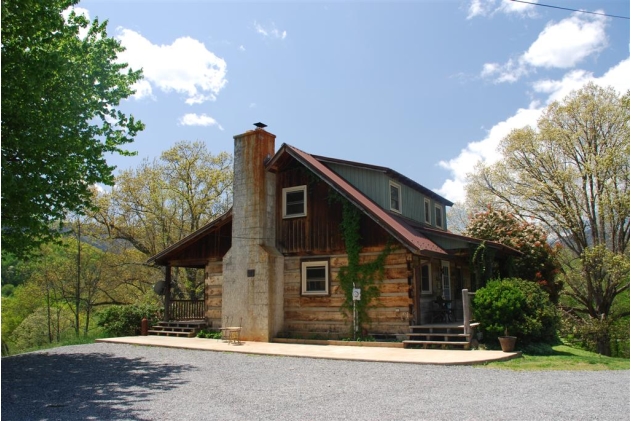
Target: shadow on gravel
(82,386)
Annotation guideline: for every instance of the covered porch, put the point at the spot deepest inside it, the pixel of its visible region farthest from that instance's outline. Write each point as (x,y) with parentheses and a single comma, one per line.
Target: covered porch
(444,330)
(202,250)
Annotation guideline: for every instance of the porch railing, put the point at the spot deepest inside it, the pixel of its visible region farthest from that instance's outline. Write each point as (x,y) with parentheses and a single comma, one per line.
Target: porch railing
(186,309)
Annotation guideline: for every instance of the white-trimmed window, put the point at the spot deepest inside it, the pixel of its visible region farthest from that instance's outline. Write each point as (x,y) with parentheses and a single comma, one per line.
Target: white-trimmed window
(427,208)
(426,278)
(315,277)
(395,197)
(438,215)
(294,202)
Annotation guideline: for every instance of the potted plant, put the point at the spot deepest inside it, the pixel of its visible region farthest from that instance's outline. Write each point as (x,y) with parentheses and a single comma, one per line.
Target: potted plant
(507,342)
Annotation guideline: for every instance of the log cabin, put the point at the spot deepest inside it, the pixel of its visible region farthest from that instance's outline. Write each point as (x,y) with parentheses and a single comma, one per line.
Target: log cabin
(272,263)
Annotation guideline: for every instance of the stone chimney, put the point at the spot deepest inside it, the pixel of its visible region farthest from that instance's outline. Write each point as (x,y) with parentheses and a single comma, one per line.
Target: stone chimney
(252,295)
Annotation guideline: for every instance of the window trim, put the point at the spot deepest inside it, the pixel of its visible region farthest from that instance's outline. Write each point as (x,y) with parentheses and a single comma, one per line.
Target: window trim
(286,190)
(439,208)
(398,187)
(429,277)
(427,209)
(303,277)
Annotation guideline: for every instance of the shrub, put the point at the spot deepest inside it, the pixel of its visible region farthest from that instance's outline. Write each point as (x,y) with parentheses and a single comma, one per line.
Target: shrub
(521,307)
(125,320)
(209,334)
(7,290)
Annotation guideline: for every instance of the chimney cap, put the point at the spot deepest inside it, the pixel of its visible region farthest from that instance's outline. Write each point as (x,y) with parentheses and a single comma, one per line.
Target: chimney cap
(260,125)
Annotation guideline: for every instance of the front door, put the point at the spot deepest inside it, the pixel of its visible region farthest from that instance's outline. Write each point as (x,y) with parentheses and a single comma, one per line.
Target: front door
(423,294)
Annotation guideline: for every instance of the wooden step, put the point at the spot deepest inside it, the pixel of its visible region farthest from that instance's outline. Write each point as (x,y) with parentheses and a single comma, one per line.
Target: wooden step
(173,329)
(439,334)
(443,344)
(181,328)
(461,335)
(169,333)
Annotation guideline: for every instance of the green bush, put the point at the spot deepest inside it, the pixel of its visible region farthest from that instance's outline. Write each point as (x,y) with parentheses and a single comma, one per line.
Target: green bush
(209,334)
(125,320)
(7,290)
(521,307)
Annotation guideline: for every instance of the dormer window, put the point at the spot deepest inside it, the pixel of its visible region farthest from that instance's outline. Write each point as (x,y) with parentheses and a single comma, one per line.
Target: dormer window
(439,216)
(295,202)
(395,197)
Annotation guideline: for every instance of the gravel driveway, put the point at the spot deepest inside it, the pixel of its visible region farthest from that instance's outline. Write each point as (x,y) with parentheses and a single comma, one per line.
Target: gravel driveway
(105,381)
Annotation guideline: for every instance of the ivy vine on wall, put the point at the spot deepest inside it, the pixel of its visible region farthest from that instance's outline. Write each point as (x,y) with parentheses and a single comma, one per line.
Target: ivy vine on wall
(366,276)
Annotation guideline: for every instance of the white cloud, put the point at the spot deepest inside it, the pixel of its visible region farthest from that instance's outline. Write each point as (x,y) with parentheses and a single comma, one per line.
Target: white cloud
(616,77)
(567,43)
(270,32)
(510,72)
(143,90)
(185,67)
(560,45)
(485,150)
(491,7)
(524,9)
(192,119)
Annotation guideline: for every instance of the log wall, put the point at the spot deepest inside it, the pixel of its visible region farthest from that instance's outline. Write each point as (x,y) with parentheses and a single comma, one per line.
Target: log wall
(314,317)
(214,288)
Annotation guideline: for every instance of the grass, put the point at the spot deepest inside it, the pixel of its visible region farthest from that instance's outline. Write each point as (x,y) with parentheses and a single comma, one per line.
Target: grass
(565,358)
(67,341)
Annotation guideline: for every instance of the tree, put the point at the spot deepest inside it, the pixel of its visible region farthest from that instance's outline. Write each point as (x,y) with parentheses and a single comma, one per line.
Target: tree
(161,202)
(593,287)
(537,262)
(458,216)
(571,175)
(60,91)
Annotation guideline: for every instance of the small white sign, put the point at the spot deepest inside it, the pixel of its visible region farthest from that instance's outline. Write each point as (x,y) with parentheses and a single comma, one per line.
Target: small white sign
(357,294)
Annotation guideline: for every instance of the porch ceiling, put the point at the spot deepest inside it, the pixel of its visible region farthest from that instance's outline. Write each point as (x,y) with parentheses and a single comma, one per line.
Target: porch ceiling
(186,252)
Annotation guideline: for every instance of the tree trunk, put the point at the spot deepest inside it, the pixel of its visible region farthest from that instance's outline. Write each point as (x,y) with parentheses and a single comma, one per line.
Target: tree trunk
(78,292)
(603,344)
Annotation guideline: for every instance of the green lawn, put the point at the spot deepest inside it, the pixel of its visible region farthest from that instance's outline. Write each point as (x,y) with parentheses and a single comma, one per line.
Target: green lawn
(564,358)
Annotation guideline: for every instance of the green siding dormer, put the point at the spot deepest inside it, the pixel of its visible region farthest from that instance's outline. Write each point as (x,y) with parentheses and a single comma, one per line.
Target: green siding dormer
(379,183)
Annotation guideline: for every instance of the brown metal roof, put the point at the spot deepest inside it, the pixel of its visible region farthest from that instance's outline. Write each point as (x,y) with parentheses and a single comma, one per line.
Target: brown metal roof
(435,232)
(411,238)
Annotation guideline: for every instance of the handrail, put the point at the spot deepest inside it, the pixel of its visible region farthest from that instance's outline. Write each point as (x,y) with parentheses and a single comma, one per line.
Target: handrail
(186,309)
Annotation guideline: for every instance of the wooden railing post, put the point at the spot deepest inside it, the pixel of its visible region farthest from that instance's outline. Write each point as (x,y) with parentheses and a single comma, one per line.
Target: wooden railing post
(466,305)
(167,294)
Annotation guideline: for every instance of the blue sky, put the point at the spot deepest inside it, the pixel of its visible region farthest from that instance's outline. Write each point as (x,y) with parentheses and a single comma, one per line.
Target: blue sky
(424,87)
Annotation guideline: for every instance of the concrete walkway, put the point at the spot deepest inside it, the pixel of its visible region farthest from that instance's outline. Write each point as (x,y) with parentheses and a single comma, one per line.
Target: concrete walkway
(335,352)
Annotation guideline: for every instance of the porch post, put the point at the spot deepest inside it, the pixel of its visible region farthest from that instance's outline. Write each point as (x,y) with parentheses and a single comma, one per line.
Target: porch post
(465,312)
(167,294)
